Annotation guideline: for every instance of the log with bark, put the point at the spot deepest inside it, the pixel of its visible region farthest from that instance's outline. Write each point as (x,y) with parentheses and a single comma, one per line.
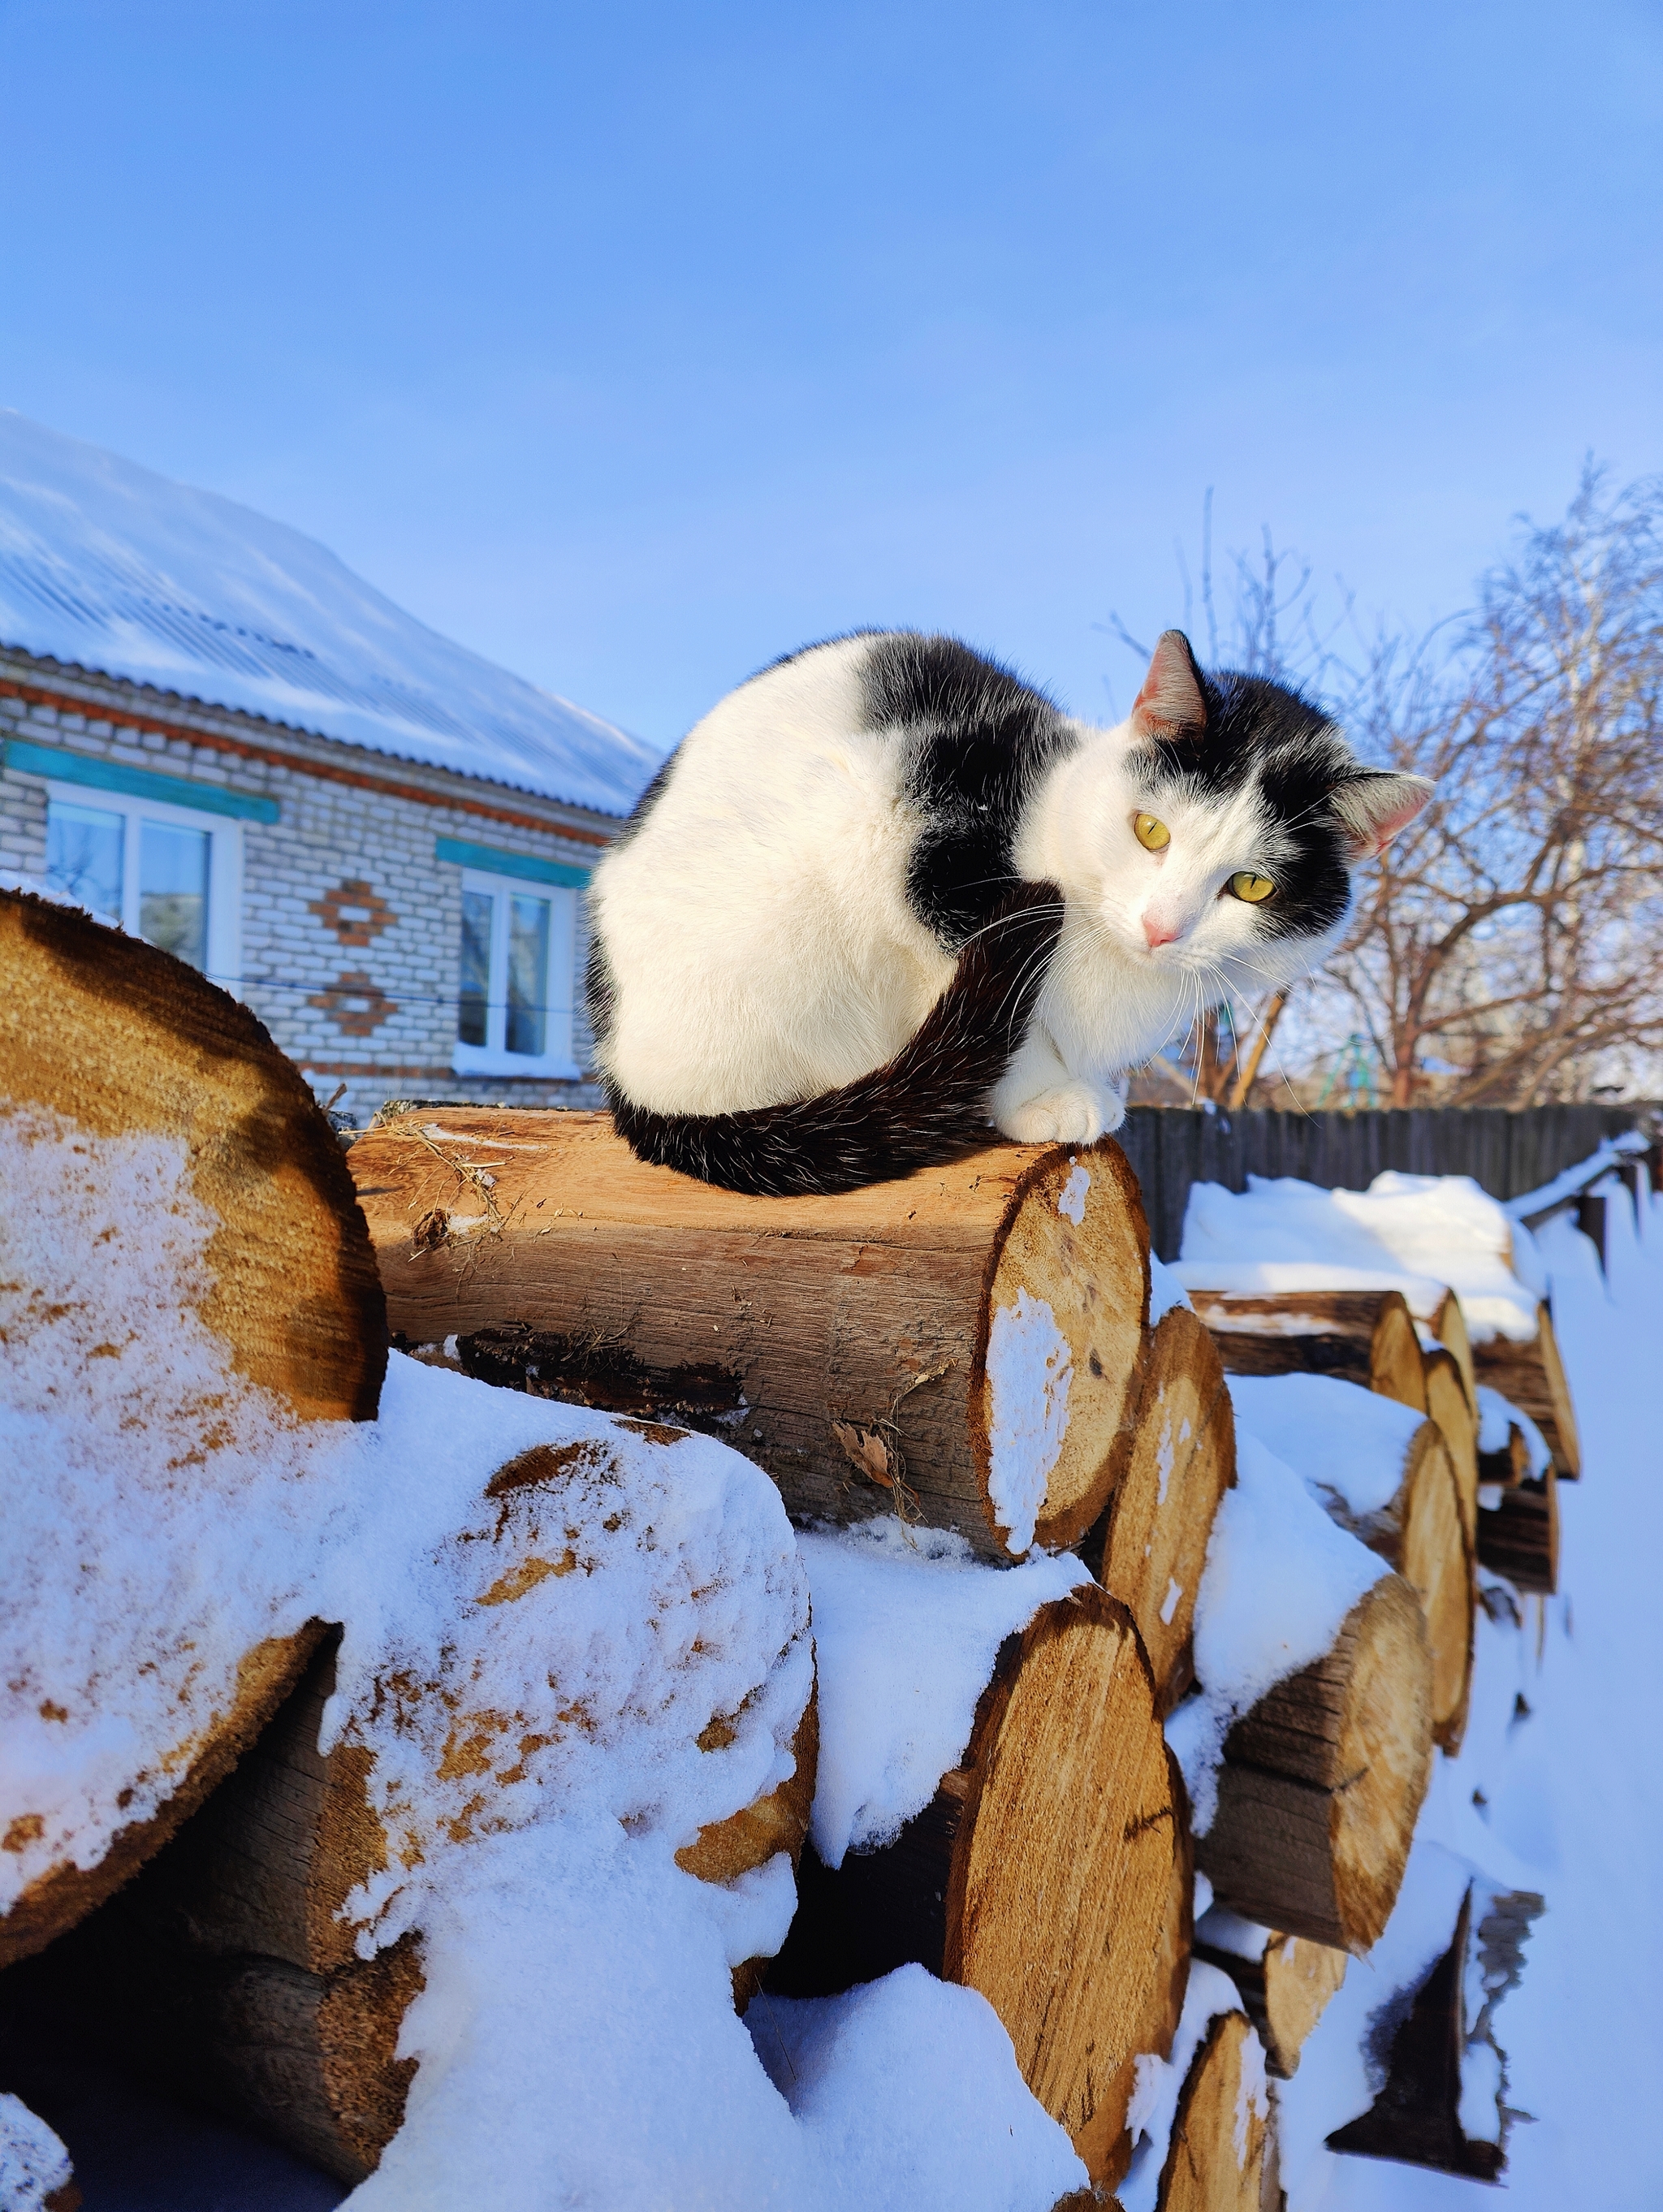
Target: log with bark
(1361,1336)
(961,1346)
(1052,1872)
(1284,1982)
(1368,1338)
(1532,1377)
(100,1033)
(1417,2118)
(1322,1780)
(1519,1532)
(1150,1546)
(1221,2156)
(227,1973)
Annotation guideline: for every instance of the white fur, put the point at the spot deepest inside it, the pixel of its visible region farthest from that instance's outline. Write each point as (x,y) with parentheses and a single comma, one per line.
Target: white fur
(763,948)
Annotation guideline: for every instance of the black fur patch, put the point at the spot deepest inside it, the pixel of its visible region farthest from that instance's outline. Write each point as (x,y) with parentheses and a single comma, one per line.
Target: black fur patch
(928,1104)
(980,738)
(1258,731)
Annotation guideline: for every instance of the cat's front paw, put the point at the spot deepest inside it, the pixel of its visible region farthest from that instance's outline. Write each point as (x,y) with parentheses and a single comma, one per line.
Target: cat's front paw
(1073,1113)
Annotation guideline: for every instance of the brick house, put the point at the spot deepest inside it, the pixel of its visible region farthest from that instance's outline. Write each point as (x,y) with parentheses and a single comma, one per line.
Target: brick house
(215,734)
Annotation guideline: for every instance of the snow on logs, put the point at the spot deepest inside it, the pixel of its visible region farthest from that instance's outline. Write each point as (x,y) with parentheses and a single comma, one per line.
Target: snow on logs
(1321,1780)
(1050,1870)
(122,1070)
(961,1346)
(228,1971)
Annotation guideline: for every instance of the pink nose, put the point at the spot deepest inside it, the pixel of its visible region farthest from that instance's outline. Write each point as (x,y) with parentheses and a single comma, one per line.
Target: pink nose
(1158,931)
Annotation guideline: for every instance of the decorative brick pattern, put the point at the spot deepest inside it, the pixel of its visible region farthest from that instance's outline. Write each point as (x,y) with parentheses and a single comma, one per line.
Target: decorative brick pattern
(356,1004)
(354,911)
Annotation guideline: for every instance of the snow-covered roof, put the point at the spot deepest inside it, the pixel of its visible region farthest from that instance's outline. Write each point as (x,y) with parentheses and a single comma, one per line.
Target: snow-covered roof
(110,567)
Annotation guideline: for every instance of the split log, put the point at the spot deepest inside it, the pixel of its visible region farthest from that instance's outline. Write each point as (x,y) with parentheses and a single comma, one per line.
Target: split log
(1221,2139)
(1284,1982)
(1448,1404)
(1322,1780)
(103,1033)
(1418,2117)
(1361,1336)
(1052,1872)
(224,1972)
(1150,1546)
(1532,1377)
(961,1346)
(1519,1534)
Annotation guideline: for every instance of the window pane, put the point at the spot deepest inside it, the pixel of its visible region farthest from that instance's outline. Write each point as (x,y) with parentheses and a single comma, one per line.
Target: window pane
(528,975)
(84,856)
(172,890)
(470,1007)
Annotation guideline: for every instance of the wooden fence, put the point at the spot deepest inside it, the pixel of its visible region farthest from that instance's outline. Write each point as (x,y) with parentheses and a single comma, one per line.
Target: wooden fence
(1508,1153)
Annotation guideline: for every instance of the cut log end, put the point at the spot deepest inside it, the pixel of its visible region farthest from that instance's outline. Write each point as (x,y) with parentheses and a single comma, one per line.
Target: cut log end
(1221,2134)
(1322,1780)
(1449,1406)
(1433,1554)
(1052,1873)
(1075,1241)
(141,1044)
(1152,1547)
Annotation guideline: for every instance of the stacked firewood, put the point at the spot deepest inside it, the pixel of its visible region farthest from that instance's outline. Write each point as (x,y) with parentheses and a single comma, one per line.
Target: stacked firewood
(969,1349)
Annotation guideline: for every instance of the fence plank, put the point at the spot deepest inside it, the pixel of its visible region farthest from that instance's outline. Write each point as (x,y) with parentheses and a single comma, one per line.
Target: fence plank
(1171,1147)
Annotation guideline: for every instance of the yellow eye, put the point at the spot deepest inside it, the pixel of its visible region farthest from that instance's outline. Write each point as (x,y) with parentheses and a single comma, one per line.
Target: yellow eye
(1254,888)
(1153,836)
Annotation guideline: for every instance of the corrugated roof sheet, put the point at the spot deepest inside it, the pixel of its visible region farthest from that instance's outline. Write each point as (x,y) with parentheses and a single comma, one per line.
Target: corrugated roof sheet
(111,568)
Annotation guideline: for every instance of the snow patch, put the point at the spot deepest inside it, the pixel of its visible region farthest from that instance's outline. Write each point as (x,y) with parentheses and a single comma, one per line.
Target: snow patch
(1071,1203)
(1338,1438)
(34,2163)
(1029,1367)
(906,1634)
(1432,1230)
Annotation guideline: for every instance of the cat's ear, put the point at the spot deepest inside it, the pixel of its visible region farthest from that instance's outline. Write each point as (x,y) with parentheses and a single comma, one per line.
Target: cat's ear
(1373,807)
(1172,700)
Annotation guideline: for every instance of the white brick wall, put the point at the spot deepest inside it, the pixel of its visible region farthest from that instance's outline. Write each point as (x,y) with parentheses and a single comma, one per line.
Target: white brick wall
(328,834)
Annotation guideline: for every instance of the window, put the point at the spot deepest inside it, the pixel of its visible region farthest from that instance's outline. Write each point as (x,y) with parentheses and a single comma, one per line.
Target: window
(514,1010)
(168,874)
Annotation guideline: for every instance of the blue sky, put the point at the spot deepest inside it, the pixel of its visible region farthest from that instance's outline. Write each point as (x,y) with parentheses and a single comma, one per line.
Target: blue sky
(635,344)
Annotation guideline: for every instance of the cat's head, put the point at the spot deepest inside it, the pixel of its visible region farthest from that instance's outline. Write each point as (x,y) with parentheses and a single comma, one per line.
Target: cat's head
(1238,814)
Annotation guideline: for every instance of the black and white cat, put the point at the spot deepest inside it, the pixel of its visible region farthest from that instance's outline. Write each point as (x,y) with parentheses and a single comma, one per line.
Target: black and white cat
(885,892)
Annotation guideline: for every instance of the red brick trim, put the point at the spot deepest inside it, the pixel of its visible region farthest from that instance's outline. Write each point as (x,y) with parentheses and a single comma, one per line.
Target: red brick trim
(96,710)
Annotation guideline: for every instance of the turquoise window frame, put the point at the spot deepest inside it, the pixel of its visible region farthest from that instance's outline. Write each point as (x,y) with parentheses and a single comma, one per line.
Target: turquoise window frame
(94,774)
(491,861)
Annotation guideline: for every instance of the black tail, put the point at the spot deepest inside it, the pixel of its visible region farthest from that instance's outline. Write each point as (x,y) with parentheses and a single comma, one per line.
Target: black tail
(926,1105)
